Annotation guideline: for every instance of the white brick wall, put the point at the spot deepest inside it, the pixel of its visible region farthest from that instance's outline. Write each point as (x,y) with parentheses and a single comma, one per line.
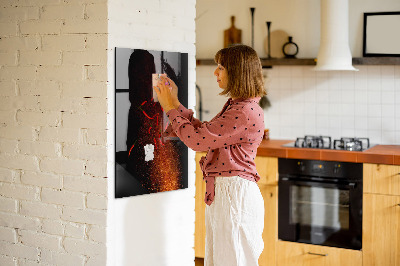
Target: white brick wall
(53,107)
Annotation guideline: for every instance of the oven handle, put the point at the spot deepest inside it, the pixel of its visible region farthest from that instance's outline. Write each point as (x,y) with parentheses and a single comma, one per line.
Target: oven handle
(298,181)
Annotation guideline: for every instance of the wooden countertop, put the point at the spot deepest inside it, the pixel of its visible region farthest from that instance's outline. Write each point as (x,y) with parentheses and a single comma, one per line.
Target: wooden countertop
(379,154)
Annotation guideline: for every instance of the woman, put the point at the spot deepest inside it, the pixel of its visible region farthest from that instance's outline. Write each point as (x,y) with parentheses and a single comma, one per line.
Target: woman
(235,207)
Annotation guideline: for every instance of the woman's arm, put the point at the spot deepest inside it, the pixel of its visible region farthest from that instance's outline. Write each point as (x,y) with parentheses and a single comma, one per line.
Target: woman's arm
(228,129)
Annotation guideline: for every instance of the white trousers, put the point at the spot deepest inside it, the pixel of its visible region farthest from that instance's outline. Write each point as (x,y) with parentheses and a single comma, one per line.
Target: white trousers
(234,223)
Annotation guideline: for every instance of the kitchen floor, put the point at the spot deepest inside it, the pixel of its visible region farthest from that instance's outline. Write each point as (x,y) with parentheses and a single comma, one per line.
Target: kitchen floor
(198,262)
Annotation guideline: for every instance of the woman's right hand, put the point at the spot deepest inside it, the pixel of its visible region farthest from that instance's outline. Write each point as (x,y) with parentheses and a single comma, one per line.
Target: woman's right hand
(174,90)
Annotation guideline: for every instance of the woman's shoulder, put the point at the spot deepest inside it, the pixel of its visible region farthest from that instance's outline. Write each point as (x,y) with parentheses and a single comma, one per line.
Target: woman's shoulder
(249,104)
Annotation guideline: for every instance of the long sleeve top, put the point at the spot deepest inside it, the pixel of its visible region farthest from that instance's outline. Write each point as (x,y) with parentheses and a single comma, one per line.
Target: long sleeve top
(231,139)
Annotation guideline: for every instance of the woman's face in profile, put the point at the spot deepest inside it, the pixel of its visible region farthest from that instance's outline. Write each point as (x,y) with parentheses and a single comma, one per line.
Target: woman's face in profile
(222,76)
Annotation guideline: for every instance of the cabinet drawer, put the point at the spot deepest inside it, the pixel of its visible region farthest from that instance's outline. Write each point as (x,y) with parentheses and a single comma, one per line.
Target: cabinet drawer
(381,179)
(294,254)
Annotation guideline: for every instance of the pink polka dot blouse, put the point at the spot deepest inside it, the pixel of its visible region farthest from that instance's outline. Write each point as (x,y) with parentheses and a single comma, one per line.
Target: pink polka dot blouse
(231,139)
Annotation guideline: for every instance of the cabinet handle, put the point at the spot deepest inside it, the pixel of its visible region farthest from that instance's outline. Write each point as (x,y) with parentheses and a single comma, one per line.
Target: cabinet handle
(318,254)
(398,204)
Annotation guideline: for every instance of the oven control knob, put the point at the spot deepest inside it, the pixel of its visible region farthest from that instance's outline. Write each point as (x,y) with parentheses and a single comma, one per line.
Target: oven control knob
(336,169)
(302,167)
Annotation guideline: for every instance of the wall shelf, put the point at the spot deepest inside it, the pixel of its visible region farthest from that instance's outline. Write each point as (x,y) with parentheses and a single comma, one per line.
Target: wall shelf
(312,61)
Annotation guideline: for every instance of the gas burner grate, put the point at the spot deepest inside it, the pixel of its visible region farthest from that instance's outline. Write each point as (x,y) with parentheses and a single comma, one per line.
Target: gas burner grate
(351,144)
(320,142)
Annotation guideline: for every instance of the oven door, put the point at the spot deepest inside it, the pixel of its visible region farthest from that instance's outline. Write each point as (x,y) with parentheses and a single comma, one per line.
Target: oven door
(321,212)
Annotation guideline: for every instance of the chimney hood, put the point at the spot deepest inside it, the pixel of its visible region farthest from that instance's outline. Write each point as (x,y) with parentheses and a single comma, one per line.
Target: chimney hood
(334,51)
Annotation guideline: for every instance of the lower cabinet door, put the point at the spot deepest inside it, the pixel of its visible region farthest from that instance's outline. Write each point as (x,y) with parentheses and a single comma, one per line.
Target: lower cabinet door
(294,254)
(381,230)
(270,233)
(200,207)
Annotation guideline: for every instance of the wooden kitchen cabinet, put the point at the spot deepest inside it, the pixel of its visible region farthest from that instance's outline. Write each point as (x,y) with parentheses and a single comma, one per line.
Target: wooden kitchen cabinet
(200,207)
(381,230)
(298,254)
(267,168)
(270,233)
(381,215)
(381,179)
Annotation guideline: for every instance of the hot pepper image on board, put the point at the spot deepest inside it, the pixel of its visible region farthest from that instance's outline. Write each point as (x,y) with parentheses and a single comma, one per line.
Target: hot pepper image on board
(152,160)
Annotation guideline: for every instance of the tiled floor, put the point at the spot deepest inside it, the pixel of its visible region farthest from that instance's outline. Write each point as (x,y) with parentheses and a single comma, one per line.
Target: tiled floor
(199,262)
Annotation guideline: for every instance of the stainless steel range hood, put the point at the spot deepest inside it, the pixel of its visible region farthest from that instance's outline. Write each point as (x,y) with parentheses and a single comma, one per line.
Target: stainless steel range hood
(334,51)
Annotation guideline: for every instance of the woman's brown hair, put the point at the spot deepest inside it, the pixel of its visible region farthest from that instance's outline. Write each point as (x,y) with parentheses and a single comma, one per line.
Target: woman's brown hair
(245,78)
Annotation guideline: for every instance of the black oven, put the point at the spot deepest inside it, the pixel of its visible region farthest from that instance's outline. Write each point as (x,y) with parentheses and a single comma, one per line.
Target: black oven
(320,202)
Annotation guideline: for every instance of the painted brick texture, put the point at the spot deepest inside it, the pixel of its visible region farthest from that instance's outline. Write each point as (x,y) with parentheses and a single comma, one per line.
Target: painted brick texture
(53,109)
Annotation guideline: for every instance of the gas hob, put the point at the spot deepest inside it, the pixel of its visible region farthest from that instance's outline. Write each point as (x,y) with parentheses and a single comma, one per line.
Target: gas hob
(325,142)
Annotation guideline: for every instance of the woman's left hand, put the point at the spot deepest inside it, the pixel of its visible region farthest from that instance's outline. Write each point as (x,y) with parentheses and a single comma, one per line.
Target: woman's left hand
(163,90)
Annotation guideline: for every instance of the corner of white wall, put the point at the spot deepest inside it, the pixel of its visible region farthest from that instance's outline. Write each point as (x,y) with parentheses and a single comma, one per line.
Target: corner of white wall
(154,229)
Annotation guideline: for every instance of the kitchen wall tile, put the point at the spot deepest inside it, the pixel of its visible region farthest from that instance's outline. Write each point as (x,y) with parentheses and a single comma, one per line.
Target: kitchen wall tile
(360,133)
(388,110)
(397,92)
(334,109)
(285,72)
(322,109)
(322,74)
(397,72)
(361,110)
(297,72)
(388,97)
(322,121)
(374,70)
(347,122)
(388,84)
(348,76)
(361,123)
(310,95)
(374,97)
(374,84)
(335,95)
(323,102)
(308,72)
(348,132)
(360,83)
(285,132)
(397,122)
(310,109)
(397,133)
(310,130)
(348,96)
(334,76)
(387,71)
(285,83)
(361,97)
(335,122)
(374,123)
(375,136)
(347,109)
(322,95)
(389,136)
(322,83)
(374,110)
(297,83)
(397,110)
(388,124)
(325,131)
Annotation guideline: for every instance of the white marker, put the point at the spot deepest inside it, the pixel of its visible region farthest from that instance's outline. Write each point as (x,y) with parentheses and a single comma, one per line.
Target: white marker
(149,152)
